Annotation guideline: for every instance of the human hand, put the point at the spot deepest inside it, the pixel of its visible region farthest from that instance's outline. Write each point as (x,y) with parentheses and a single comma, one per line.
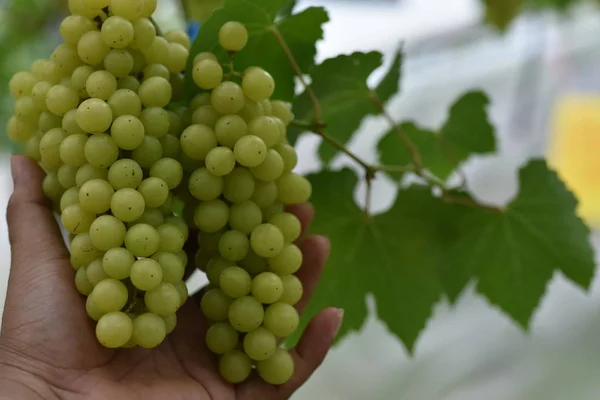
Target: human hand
(48,348)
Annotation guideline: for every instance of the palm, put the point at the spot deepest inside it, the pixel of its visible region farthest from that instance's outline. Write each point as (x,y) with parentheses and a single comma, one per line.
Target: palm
(47,334)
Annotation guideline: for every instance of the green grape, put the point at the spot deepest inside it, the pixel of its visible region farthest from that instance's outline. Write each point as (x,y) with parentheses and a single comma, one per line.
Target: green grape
(92,309)
(227,98)
(265,194)
(128,205)
(267,287)
(175,124)
(156,70)
(169,171)
(47,122)
(66,176)
(171,147)
(107,232)
(207,74)
(142,240)
(209,241)
(245,217)
(146,274)
(94,116)
(156,121)
(179,36)
(114,329)
(97,4)
(149,152)
(91,48)
(61,99)
(197,141)
(129,9)
(182,289)
(101,85)
(101,150)
(144,34)
(250,151)
(50,147)
(245,314)
(20,130)
(129,82)
(117,32)
(283,111)
(82,251)
(154,191)
(277,369)
(239,185)
(71,196)
(125,102)
(167,207)
(69,123)
(26,108)
(66,59)
(46,70)
(127,132)
(38,94)
(32,149)
(266,128)
(95,196)
(260,344)
(281,319)
(151,216)
(21,84)
(292,289)
(139,61)
(235,282)
(76,220)
(253,263)
(205,186)
(288,224)
(82,283)
(220,161)
(157,52)
(79,80)
(215,305)
(170,323)
(155,92)
(258,84)
(88,172)
(289,156)
(73,27)
(293,189)
(273,209)
(270,169)
(229,129)
(221,338)
(235,366)
(205,115)
(117,261)
(204,56)
(179,222)
(212,215)
(52,188)
(171,265)
(177,59)
(233,36)
(267,240)
(125,173)
(149,330)
(110,295)
(163,301)
(233,245)
(95,272)
(288,261)
(214,269)
(201,99)
(171,238)
(251,110)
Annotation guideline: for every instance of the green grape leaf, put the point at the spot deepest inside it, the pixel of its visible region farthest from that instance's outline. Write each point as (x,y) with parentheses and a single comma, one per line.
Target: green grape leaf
(300,31)
(500,13)
(514,252)
(467,131)
(393,256)
(390,84)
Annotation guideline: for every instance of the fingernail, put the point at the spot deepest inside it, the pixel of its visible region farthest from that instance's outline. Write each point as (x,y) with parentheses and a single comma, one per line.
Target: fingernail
(340,313)
(326,243)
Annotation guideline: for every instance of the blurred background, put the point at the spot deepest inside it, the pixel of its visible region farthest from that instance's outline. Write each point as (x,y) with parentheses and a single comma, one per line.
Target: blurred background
(542,75)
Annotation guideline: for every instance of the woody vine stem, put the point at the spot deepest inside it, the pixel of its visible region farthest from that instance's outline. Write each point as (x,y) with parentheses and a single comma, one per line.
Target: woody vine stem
(318,126)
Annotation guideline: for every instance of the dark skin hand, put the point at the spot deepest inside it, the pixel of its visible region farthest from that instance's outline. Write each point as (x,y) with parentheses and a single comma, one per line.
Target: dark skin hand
(48,348)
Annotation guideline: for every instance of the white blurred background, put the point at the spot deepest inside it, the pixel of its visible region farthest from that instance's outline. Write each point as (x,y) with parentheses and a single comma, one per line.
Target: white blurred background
(470,351)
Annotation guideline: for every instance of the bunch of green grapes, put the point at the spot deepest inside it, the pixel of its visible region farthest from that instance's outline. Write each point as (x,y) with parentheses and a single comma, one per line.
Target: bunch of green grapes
(103,117)
(93,115)
(246,244)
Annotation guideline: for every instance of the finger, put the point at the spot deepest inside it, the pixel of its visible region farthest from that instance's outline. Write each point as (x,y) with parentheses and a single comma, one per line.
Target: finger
(308,356)
(315,250)
(305,213)
(34,235)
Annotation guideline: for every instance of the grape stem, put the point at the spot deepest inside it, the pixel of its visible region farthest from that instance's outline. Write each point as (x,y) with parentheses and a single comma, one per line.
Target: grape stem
(158,30)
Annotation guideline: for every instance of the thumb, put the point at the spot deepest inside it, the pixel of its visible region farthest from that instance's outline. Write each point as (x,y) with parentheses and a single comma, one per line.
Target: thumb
(35,239)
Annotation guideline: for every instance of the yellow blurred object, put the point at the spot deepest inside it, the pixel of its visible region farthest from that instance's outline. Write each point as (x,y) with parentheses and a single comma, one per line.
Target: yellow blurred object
(201,10)
(575,151)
